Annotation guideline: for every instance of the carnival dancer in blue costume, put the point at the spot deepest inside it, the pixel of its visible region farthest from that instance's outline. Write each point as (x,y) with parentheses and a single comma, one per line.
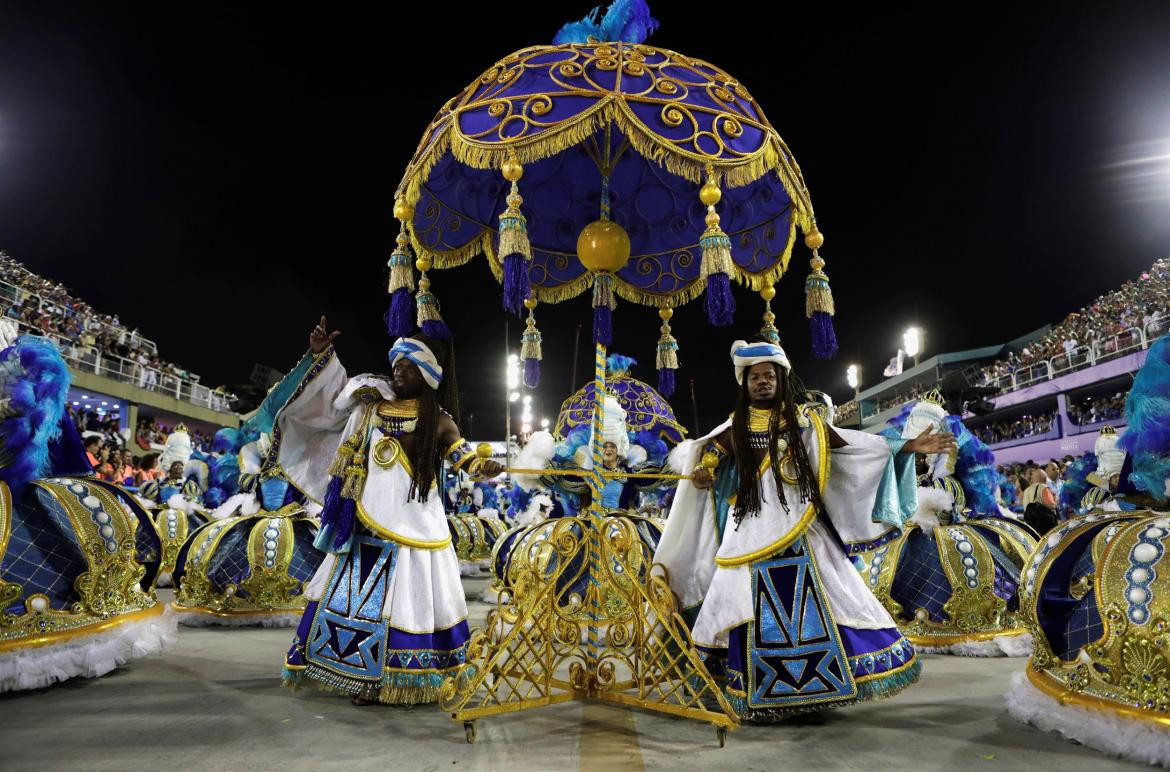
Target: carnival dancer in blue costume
(950,576)
(77,555)
(386,619)
(753,548)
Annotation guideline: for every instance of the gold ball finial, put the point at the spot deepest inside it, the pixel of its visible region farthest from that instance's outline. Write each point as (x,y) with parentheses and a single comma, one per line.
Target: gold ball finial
(530,303)
(712,219)
(483,450)
(512,169)
(710,461)
(603,246)
(710,194)
(817,263)
(424,283)
(665,313)
(767,293)
(423,264)
(814,239)
(402,210)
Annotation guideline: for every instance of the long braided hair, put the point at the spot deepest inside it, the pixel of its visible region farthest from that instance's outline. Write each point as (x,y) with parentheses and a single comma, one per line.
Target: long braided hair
(424,456)
(749,497)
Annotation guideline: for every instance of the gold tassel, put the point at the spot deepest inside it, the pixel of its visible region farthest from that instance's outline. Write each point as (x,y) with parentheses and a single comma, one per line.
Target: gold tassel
(817,295)
(769,331)
(667,357)
(401,264)
(343,457)
(514,227)
(530,347)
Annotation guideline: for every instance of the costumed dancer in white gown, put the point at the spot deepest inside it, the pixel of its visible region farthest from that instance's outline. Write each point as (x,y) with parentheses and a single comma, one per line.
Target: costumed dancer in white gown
(753,548)
(386,618)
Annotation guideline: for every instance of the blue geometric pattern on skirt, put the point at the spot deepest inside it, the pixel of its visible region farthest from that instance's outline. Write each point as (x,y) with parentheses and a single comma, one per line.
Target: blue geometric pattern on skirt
(348,635)
(794,647)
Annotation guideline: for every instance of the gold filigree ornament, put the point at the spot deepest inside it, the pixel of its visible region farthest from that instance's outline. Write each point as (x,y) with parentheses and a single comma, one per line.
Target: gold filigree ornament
(109,591)
(1126,670)
(561,632)
(267,590)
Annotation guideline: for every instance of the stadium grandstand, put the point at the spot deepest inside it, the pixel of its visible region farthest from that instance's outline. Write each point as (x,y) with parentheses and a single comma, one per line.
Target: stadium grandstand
(1047,394)
(123,390)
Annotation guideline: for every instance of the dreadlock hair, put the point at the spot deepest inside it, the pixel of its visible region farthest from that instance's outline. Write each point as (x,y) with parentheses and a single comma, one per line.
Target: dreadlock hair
(749,496)
(424,456)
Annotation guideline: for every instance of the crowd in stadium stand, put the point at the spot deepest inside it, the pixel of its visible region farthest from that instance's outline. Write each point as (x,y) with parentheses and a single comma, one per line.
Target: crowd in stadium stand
(1097,409)
(50,309)
(1141,304)
(1018,429)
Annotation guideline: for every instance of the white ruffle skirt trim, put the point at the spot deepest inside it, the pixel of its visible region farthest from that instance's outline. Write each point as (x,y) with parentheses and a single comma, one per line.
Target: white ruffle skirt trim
(999,646)
(87,656)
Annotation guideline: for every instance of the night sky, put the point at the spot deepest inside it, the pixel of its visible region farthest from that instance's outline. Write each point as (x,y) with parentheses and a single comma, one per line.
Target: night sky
(221,174)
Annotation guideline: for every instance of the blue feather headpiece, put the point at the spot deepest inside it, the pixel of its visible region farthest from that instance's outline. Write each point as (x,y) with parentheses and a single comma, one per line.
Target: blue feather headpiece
(625,21)
(36,384)
(1147,410)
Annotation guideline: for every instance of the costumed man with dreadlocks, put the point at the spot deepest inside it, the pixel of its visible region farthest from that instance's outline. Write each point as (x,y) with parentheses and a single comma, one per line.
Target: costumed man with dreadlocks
(753,547)
(386,619)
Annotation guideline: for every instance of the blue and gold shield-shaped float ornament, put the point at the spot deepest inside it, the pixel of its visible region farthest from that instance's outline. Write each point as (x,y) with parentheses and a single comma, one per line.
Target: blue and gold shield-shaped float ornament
(647,175)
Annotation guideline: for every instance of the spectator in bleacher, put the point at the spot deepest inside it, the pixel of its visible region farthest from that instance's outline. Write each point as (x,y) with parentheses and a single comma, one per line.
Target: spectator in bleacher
(147,469)
(1039,503)
(93,446)
(1054,474)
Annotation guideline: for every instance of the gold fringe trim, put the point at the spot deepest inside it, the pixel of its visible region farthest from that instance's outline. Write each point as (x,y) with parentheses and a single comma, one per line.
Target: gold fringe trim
(773,155)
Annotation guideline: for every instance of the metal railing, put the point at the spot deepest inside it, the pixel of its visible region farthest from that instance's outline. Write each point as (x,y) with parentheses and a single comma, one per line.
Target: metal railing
(89,359)
(12,295)
(1080,358)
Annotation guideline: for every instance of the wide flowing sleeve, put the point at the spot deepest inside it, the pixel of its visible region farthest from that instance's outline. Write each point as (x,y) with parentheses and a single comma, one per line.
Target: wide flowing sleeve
(310,424)
(691,538)
(871,488)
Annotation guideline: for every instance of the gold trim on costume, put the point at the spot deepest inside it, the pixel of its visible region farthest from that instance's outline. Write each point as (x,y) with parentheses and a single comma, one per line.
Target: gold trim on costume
(1066,697)
(398,538)
(77,632)
(809,514)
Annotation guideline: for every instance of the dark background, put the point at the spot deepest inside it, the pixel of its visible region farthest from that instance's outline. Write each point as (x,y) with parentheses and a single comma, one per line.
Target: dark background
(219,174)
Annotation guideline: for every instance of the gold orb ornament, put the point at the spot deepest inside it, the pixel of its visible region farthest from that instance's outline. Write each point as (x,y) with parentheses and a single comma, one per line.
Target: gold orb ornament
(710,194)
(483,450)
(402,210)
(530,303)
(512,169)
(767,293)
(603,246)
(813,239)
(665,313)
(423,264)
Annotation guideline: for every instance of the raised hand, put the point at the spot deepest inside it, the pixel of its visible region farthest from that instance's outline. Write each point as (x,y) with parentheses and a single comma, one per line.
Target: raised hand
(319,339)
(928,442)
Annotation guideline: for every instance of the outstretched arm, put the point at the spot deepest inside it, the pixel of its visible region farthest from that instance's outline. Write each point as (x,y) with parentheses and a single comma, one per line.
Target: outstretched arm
(460,453)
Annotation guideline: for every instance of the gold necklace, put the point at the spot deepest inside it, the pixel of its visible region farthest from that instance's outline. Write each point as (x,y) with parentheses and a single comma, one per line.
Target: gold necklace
(398,408)
(759,420)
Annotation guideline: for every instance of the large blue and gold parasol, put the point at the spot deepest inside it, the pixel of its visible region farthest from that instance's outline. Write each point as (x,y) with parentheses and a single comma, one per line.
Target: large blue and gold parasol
(670,149)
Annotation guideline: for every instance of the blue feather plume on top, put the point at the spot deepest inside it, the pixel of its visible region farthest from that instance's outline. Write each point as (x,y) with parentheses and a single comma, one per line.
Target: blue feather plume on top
(1147,410)
(617,364)
(625,21)
(37,390)
(1075,483)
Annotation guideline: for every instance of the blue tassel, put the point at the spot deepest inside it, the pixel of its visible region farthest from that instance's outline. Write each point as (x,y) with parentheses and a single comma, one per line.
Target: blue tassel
(603,325)
(436,328)
(719,302)
(400,315)
(666,382)
(824,339)
(532,373)
(517,288)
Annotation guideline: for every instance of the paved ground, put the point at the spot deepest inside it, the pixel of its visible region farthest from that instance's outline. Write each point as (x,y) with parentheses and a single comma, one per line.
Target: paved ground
(214,702)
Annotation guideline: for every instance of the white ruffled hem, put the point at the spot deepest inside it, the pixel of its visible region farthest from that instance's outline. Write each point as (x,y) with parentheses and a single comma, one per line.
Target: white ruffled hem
(1101,730)
(1000,646)
(88,656)
(274,619)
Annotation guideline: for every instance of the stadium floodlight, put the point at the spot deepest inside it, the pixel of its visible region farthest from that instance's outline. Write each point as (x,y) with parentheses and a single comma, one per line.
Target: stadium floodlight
(853,376)
(912,343)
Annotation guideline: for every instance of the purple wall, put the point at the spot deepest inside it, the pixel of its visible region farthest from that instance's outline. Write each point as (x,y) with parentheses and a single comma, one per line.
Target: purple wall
(1046,449)
(1130,363)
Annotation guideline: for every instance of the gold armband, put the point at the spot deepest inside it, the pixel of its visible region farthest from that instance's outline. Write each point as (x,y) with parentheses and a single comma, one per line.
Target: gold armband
(460,454)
